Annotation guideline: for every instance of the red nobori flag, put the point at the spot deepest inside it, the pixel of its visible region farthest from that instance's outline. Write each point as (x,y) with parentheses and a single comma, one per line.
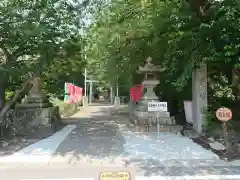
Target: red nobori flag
(73,94)
(78,94)
(71,91)
(136,93)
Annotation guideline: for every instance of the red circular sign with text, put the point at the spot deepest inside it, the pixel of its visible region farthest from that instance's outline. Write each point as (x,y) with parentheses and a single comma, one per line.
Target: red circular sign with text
(224,114)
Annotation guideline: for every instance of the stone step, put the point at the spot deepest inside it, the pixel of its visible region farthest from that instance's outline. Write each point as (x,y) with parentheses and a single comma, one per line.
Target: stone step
(153,121)
(161,128)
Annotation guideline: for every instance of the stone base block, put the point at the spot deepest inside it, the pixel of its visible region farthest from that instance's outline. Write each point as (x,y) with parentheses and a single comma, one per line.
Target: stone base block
(28,119)
(117,101)
(152,118)
(170,128)
(85,101)
(162,128)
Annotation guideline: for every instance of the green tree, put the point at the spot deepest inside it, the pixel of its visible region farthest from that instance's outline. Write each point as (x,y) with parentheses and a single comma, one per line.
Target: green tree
(179,35)
(33,35)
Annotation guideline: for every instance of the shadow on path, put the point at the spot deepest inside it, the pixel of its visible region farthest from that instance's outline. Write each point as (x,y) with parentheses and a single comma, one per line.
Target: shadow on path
(95,137)
(99,137)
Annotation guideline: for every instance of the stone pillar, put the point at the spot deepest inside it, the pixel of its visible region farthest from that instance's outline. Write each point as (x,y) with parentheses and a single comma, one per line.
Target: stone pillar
(199,97)
(90,92)
(85,101)
(111,95)
(117,101)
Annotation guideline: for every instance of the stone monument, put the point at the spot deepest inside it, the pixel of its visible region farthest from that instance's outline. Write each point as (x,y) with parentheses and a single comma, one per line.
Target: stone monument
(141,115)
(199,94)
(35,97)
(37,110)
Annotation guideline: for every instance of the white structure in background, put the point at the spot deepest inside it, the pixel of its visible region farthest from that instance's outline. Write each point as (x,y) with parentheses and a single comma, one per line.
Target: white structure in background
(85,98)
(117,99)
(188,111)
(111,95)
(88,99)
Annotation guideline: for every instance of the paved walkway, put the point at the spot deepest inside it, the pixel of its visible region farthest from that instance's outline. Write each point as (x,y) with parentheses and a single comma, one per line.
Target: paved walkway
(103,141)
(103,138)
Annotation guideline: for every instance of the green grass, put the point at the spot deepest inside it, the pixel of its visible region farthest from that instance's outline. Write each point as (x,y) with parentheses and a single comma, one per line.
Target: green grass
(65,109)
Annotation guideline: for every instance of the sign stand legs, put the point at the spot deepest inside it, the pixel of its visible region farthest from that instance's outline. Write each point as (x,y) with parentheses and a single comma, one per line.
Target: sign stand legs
(158,129)
(224,114)
(225,134)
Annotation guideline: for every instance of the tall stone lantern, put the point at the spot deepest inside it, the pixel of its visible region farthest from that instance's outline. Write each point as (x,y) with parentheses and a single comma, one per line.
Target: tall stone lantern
(149,82)
(141,114)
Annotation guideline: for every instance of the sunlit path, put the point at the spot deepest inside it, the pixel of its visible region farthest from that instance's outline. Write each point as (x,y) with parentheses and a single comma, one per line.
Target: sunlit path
(102,141)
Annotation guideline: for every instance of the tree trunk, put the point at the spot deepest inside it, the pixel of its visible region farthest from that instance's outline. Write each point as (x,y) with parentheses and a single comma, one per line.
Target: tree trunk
(236,82)
(25,87)
(17,95)
(3,83)
(4,76)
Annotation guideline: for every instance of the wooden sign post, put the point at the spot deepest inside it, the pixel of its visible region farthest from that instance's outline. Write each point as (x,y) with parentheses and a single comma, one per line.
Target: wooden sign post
(224,114)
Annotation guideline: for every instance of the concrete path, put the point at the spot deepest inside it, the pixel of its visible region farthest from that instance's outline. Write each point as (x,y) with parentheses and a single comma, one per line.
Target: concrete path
(105,139)
(40,151)
(93,174)
(102,141)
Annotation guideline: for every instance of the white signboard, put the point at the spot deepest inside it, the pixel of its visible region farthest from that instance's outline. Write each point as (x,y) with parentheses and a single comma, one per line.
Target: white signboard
(157,106)
(188,111)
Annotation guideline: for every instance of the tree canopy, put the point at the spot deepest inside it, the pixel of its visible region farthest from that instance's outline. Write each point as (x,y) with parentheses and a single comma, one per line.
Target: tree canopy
(44,37)
(179,35)
(126,32)
(58,38)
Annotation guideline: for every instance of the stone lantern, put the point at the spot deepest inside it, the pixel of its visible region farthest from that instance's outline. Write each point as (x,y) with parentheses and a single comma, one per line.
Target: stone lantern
(141,115)
(149,82)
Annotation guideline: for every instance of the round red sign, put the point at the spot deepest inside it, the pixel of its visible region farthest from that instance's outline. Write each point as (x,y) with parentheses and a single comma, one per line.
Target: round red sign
(224,114)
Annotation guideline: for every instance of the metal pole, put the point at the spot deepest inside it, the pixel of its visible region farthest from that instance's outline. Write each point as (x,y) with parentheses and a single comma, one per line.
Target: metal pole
(117,93)
(85,82)
(90,92)
(111,94)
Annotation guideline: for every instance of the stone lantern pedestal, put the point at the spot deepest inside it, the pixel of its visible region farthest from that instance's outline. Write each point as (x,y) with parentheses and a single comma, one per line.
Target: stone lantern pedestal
(37,111)
(117,102)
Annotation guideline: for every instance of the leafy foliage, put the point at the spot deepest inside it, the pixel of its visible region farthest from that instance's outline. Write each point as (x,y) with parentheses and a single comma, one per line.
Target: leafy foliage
(178,35)
(44,37)
(56,39)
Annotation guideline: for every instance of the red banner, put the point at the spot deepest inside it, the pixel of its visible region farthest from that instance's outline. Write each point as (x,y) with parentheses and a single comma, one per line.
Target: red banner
(136,93)
(74,93)
(77,94)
